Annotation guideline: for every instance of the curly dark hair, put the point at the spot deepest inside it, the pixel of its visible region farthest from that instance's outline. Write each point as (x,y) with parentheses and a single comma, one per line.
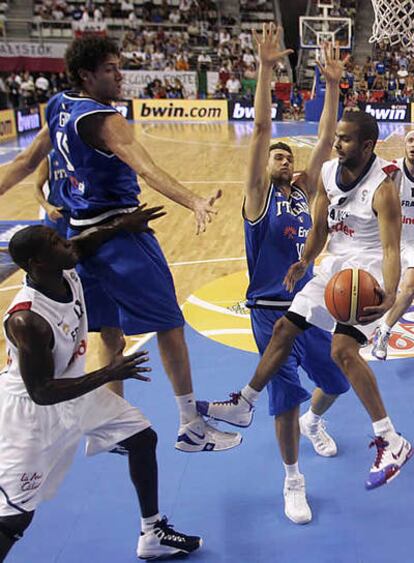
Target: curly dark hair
(87,53)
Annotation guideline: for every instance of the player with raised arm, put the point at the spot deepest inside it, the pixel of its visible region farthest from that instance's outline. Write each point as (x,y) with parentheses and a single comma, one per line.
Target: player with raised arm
(405,295)
(128,286)
(357,212)
(47,402)
(276,221)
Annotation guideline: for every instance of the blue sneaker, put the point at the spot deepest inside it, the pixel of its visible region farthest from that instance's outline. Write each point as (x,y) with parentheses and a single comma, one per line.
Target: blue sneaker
(388,462)
(236,411)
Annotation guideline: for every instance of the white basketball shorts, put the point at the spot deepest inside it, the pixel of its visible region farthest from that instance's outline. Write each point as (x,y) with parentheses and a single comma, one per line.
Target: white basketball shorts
(38,443)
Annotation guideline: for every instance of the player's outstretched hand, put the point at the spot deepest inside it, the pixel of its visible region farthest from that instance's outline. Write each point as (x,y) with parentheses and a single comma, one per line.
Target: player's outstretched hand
(203,209)
(268,44)
(137,222)
(294,274)
(371,314)
(128,367)
(332,67)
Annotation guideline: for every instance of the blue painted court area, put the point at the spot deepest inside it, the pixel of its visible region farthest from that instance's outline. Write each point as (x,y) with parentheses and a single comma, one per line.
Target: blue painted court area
(234,499)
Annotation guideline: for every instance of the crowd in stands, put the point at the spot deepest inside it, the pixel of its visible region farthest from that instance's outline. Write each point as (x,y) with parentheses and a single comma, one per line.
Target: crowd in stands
(148,12)
(22,89)
(388,76)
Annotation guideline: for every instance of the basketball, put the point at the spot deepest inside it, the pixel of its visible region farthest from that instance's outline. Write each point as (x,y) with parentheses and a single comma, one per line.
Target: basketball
(348,292)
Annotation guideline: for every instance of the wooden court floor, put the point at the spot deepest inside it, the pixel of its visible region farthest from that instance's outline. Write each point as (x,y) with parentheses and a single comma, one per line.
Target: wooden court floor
(205,157)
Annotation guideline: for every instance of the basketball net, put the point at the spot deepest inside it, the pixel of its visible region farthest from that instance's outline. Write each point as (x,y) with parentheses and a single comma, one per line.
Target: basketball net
(393,22)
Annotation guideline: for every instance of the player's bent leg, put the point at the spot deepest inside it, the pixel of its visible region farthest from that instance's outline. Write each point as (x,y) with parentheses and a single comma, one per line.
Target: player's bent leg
(239,410)
(112,344)
(393,451)
(345,353)
(12,529)
(313,426)
(158,539)
(284,334)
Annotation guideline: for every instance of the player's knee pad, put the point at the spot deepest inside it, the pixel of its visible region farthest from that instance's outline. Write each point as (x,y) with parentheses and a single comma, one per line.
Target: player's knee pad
(147,439)
(13,527)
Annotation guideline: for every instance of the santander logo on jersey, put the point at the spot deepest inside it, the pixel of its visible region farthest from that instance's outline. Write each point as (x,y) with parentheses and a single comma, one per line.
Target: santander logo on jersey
(341,227)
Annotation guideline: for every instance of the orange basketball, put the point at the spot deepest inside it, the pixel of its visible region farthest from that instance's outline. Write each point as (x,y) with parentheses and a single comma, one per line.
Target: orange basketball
(348,292)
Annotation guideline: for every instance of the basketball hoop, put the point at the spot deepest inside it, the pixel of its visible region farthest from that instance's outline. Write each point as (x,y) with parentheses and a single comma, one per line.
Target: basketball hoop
(393,22)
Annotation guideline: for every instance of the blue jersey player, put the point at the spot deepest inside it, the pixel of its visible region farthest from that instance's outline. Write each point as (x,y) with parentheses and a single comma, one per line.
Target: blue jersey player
(127,284)
(276,222)
(53,193)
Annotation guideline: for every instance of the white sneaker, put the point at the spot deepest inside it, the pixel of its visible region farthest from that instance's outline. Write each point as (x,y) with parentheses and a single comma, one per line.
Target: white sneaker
(297,508)
(388,462)
(380,343)
(198,436)
(323,444)
(163,541)
(236,411)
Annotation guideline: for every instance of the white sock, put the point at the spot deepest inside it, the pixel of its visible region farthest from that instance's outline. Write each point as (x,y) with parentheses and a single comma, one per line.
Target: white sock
(250,394)
(311,417)
(384,326)
(187,407)
(383,427)
(292,471)
(147,524)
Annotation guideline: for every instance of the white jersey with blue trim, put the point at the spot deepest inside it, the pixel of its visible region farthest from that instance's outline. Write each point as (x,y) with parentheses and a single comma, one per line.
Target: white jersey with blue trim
(68,322)
(103,184)
(274,242)
(354,238)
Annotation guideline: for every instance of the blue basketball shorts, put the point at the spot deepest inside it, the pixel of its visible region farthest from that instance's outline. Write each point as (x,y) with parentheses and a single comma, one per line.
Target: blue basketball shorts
(128,285)
(61,226)
(311,351)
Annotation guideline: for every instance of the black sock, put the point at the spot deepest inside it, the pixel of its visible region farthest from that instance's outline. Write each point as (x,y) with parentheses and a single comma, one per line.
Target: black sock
(143,469)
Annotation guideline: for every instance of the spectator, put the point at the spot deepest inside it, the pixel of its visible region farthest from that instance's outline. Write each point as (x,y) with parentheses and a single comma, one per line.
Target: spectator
(41,88)
(181,62)
(13,85)
(233,86)
(174,16)
(27,90)
(296,102)
(203,61)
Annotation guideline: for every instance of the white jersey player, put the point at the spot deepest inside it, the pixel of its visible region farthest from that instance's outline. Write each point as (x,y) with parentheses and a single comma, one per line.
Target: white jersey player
(406,289)
(47,402)
(357,210)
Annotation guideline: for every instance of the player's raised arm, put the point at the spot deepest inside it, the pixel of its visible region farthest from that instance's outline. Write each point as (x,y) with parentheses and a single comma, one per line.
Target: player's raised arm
(26,162)
(386,204)
(33,337)
(257,181)
(332,70)
(316,240)
(113,133)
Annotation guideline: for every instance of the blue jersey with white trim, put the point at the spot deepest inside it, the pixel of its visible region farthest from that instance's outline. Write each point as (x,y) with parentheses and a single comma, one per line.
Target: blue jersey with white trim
(58,183)
(101,181)
(273,243)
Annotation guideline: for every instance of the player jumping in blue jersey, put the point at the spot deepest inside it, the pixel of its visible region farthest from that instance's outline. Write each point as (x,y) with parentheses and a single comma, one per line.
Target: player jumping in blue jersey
(128,286)
(277,221)
(52,191)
